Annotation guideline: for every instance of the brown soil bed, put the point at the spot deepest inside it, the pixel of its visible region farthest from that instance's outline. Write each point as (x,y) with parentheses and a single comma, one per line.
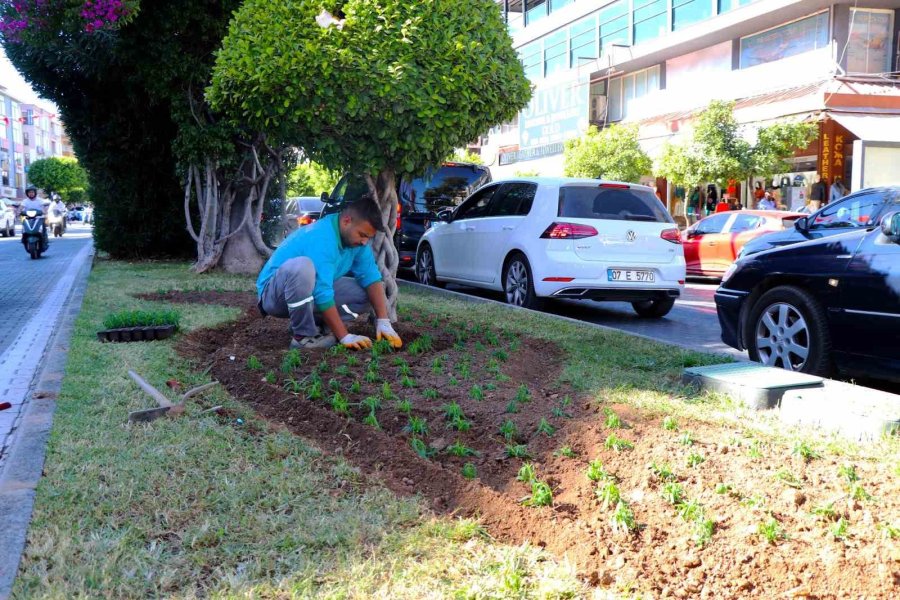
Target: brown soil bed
(660,556)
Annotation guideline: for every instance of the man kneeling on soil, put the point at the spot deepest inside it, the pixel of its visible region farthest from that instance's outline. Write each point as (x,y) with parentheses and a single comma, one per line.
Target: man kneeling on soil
(304,279)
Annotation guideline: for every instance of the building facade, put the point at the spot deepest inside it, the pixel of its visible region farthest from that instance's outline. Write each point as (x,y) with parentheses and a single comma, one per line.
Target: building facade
(658,63)
(28,132)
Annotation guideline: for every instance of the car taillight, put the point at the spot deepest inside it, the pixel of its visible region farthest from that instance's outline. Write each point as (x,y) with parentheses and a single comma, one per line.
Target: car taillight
(617,186)
(305,220)
(671,235)
(398,216)
(568,231)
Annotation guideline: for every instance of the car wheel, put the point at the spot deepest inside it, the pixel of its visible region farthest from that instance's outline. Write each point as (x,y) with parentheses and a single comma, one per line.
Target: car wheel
(787,328)
(653,309)
(518,284)
(6,231)
(425,272)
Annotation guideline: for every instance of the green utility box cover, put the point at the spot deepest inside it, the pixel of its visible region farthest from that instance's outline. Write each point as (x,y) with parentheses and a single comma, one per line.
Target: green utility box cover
(758,386)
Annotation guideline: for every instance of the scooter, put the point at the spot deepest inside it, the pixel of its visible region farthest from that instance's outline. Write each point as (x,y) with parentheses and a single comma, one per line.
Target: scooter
(33,233)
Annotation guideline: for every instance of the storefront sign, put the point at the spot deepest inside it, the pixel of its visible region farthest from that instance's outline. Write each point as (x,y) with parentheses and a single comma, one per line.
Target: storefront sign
(535,152)
(558,111)
(8,192)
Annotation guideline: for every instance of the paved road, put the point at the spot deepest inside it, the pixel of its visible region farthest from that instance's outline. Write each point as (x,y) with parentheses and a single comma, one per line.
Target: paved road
(24,282)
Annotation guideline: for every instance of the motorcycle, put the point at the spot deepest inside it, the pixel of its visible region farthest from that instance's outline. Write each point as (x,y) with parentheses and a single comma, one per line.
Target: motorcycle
(33,233)
(57,222)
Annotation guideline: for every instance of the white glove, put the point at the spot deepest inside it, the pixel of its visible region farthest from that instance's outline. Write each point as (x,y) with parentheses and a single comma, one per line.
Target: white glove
(356,342)
(384,330)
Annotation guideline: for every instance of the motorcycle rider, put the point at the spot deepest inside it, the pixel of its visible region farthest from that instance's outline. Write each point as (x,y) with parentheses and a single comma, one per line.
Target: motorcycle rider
(32,202)
(57,214)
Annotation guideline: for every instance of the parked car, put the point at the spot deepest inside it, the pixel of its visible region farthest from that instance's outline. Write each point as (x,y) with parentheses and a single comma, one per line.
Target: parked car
(302,210)
(712,244)
(825,304)
(859,210)
(7,219)
(420,200)
(539,238)
(77,214)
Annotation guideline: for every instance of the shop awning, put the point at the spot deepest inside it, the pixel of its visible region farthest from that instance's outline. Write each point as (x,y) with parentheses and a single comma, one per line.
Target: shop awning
(871,128)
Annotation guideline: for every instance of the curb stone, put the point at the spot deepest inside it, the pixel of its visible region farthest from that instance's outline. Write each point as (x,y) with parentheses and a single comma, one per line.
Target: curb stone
(22,469)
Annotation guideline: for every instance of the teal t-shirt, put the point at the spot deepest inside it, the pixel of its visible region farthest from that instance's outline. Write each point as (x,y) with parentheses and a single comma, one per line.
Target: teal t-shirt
(321,243)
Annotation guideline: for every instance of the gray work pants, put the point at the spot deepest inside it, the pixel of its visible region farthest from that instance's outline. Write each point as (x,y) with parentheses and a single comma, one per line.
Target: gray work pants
(289,294)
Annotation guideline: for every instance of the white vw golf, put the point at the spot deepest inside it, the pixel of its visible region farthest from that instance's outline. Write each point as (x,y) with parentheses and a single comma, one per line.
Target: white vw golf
(537,238)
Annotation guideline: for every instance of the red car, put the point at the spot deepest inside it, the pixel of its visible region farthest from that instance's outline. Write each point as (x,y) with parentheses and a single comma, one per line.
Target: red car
(712,244)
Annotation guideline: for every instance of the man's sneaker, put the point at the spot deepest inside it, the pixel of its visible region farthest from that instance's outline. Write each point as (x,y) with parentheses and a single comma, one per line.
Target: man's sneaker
(313,341)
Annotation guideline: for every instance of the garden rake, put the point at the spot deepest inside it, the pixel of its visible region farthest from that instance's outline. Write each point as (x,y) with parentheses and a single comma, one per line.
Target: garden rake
(165,406)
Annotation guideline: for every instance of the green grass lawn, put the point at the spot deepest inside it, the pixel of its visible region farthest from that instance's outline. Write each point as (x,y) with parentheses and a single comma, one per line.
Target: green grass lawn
(201,507)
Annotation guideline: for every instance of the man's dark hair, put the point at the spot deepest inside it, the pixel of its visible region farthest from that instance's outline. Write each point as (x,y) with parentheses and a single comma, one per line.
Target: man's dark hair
(365,208)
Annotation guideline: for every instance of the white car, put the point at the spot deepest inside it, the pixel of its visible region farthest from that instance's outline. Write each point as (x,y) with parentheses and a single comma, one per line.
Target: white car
(538,238)
(7,219)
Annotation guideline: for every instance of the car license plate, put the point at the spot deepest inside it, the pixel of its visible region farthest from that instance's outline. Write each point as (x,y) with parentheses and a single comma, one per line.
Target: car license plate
(630,275)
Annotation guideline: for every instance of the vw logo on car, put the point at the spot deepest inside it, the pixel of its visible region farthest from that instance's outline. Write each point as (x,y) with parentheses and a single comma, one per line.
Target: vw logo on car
(630,235)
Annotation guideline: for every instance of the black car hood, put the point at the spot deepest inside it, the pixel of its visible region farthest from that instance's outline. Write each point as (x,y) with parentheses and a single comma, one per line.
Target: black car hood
(773,240)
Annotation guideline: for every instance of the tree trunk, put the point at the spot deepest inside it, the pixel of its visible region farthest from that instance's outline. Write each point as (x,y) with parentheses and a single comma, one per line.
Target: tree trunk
(384,189)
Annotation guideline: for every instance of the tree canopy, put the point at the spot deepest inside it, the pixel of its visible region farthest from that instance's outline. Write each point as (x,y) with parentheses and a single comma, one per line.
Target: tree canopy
(717,151)
(394,84)
(311,179)
(60,175)
(611,153)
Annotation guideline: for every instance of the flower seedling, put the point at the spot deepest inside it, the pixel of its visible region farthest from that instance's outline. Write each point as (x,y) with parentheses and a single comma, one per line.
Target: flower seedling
(690,510)
(437,365)
(468,471)
(399,361)
(663,472)
(673,493)
(337,350)
(476,393)
(517,451)
(381,347)
(546,428)
(500,355)
(612,420)
(771,531)
(754,450)
(292,385)
(291,360)
(618,444)
(479,347)
(417,426)
(404,406)
(489,387)
(508,430)
(839,530)
(805,451)
(566,451)
(512,407)
(595,471)
(686,439)
(270,377)
(404,370)
(322,367)
(420,345)
(342,370)
(457,448)
(890,531)
(371,377)
(407,382)
(461,425)
(386,392)
(352,361)
(858,493)
(355,387)
(541,495)
(622,520)
(421,448)
(703,531)
(608,494)
(694,459)
(491,338)
(431,394)
(464,370)
(254,363)
(334,384)
(372,421)
(724,488)
(526,473)
(670,424)
(339,404)
(522,394)
(825,512)
(848,473)
(314,391)
(453,411)
(372,403)
(502,378)
(453,380)
(788,478)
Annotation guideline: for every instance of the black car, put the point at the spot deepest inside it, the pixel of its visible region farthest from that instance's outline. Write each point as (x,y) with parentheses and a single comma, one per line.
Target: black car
(859,210)
(819,306)
(421,200)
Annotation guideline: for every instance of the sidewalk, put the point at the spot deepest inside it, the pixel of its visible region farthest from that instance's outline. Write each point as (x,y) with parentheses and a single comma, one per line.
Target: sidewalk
(31,372)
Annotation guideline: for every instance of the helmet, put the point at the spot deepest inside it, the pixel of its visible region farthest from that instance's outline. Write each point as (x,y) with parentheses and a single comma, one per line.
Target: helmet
(30,188)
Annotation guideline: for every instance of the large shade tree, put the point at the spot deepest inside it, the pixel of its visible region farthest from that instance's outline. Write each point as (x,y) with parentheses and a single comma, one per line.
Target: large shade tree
(129,79)
(386,88)
(60,175)
(611,153)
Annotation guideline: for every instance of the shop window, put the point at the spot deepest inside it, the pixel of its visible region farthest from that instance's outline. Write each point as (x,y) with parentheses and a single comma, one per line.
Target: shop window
(688,12)
(650,19)
(869,46)
(583,45)
(535,10)
(556,50)
(613,25)
(532,60)
(804,35)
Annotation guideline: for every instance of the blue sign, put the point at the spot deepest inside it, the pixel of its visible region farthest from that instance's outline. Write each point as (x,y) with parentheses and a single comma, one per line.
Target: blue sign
(555,114)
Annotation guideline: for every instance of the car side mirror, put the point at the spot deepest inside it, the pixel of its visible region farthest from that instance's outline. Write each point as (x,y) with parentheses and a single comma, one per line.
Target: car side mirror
(802,224)
(325,198)
(890,227)
(443,215)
